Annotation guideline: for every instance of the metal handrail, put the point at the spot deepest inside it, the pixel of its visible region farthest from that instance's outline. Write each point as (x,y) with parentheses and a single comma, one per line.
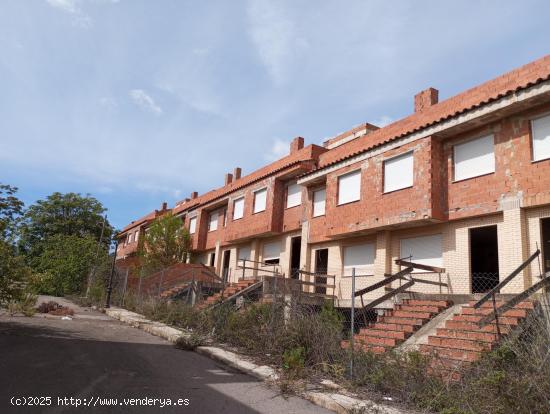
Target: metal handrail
(382,283)
(507,280)
(514,301)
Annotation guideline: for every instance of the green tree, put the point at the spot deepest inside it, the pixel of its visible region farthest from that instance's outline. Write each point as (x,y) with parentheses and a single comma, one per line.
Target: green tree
(14,274)
(68,214)
(165,243)
(65,263)
(11,209)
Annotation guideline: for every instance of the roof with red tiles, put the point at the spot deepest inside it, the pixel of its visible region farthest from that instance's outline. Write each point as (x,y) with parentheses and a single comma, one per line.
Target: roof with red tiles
(520,78)
(142,220)
(305,155)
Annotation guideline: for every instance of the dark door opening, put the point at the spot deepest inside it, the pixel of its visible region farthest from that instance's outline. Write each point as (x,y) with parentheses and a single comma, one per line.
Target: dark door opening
(225,266)
(484,258)
(295,252)
(212,259)
(321,267)
(545,224)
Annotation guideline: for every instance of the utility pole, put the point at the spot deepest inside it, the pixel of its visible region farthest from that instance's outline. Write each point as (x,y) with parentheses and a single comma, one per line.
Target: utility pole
(110,287)
(92,270)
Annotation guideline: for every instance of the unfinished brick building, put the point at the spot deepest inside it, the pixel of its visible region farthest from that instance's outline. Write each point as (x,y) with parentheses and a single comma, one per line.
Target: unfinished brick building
(461,185)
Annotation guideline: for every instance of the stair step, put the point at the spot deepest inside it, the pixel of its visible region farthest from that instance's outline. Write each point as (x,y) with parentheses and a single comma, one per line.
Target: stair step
(471,335)
(472,326)
(418,302)
(455,343)
(376,340)
(408,314)
(402,321)
(513,313)
(393,327)
(383,333)
(375,349)
(503,320)
(463,355)
(528,304)
(420,308)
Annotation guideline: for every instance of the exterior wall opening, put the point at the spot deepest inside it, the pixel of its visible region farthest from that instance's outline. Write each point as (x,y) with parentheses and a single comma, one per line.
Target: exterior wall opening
(295,252)
(484,258)
(321,268)
(545,227)
(212,261)
(225,267)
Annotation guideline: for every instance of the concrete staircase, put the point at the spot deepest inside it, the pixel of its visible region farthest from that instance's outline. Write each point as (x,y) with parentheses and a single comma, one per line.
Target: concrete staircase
(461,341)
(231,289)
(397,324)
(175,290)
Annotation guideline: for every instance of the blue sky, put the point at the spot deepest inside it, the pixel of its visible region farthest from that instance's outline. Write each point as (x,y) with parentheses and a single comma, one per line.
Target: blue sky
(137,102)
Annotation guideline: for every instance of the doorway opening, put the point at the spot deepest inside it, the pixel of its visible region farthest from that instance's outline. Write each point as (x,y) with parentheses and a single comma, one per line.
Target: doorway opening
(321,268)
(295,252)
(212,261)
(225,266)
(545,227)
(484,258)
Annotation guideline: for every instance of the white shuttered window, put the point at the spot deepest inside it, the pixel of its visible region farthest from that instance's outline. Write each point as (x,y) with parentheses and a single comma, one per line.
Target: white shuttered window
(349,187)
(213,223)
(192,225)
(244,253)
(398,172)
(319,201)
(474,158)
(427,250)
(238,208)
(360,257)
(271,253)
(260,198)
(294,195)
(541,138)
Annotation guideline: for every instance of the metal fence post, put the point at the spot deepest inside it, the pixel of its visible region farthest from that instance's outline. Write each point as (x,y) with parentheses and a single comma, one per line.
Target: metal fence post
(352,321)
(161,280)
(139,285)
(125,285)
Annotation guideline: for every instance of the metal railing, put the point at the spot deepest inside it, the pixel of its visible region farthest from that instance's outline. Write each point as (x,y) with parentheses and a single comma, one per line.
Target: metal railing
(516,299)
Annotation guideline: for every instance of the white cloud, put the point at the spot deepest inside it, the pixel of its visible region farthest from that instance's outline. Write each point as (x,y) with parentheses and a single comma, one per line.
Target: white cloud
(279,149)
(68,6)
(108,102)
(79,18)
(273,35)
(383,121)
(143,100)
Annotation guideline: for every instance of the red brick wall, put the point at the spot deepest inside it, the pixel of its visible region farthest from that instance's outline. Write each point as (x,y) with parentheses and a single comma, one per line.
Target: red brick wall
(515,173)
(292,217)
(376,209)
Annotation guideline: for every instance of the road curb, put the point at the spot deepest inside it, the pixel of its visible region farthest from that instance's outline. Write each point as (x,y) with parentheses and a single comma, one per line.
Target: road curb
(337,402)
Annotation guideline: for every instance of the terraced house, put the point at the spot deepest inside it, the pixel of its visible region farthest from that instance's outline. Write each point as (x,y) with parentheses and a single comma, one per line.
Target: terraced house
(461,188)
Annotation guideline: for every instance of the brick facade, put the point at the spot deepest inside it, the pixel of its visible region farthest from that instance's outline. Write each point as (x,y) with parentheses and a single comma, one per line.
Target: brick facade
(514,197)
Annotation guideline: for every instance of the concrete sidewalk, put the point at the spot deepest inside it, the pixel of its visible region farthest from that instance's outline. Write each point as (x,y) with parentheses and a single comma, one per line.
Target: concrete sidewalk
(341,402)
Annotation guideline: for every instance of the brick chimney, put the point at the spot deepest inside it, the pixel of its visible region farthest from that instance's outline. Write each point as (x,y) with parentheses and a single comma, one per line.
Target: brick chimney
(228,178)
(194,195)
(164,206)
(237,173)
(296,144)
(425,99)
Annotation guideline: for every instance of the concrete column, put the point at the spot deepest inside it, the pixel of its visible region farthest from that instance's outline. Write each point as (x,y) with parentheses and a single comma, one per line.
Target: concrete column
(233,266)
(218,259)
(513,249)
(305,257)
(382,262)
(255,255)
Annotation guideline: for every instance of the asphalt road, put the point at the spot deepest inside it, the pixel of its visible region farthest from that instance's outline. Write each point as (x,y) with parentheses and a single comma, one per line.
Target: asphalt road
(95,359)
